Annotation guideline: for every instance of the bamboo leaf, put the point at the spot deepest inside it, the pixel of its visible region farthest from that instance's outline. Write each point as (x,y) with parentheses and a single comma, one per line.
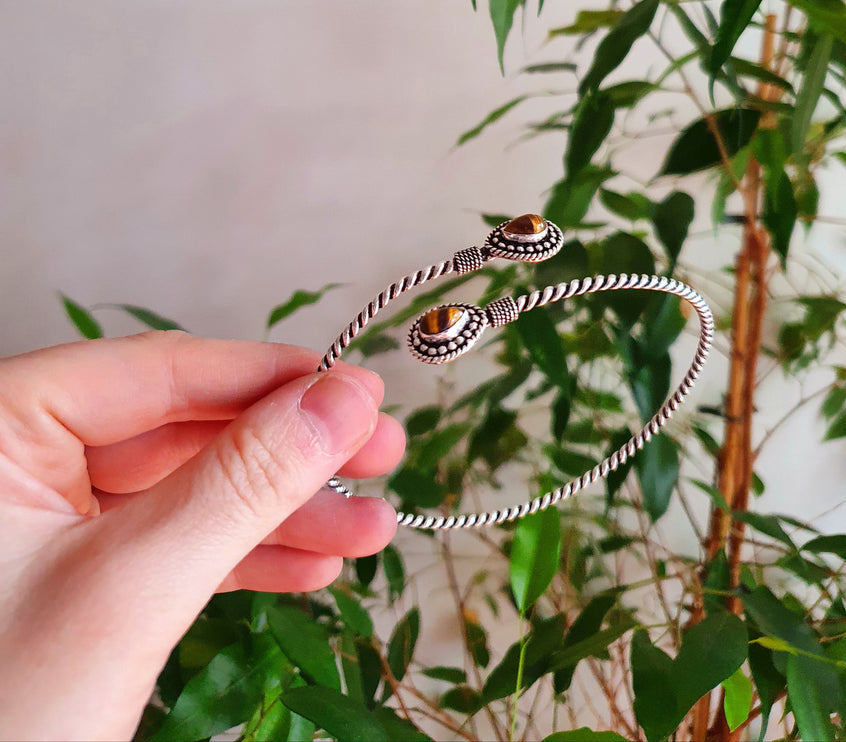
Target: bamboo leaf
(402,643)
(780,213)
(594,645)
(571,197)
(652,681)
(462,698)
(631,206)
(583,734)
(745,68)
(539,335)
(696,148)
(710,652)
(502,16)
(394,571)
(356,619)
(448,674)
(82,319)
(806,695)
(417,488)
(544,638)
(550,67)
(587,624)
(827,16)
(812,86)
(365,569)
(626,94)
(734,19)
(151,319)
(835,544)
(491,118)
(398,729)
(477,642)
(672,219)
(342,717)
(588,21)
(769,682)
(423,420)
(535,556)
(737,701)
(220,696)
(766,524)
(837,429)
(297,300)
(306,643)
(498,438)
(612,50)
(657,469)
(592,121)
(690,29)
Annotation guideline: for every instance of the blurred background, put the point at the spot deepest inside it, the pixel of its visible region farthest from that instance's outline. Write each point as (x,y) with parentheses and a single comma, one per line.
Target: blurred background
(206,159)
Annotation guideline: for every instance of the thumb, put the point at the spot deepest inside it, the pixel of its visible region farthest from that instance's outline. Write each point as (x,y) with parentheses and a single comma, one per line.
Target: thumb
(130,582)
(190,530)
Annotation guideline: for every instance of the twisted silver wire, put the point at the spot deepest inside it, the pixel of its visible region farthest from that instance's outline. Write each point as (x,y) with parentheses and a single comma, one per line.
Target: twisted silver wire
(355,327)
(525,303)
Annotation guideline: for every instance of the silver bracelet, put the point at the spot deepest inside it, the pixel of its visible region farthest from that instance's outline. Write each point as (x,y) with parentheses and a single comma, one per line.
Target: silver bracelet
(445,332)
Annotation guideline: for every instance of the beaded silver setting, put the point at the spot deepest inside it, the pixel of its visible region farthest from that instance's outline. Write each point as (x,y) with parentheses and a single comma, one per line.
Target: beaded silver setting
(443,345)
(529,248)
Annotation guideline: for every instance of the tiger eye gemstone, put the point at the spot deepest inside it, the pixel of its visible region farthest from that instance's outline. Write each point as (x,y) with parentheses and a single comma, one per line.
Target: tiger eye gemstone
(440,319)
(528,224)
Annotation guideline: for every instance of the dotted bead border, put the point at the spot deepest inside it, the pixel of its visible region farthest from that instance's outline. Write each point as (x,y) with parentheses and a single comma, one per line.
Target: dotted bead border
(501,246)
(437,351)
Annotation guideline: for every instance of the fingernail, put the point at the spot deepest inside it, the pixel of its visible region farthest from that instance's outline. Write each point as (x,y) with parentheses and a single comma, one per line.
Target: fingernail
(340,411)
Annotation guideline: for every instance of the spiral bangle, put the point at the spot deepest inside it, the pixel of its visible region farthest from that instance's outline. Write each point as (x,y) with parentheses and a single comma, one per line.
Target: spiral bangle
(445,332)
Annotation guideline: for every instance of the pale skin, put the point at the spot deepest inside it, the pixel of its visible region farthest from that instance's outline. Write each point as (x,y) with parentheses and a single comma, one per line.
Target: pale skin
(139,476)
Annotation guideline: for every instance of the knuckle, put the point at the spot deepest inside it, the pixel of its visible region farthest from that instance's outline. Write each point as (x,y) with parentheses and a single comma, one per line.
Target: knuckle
(251,471)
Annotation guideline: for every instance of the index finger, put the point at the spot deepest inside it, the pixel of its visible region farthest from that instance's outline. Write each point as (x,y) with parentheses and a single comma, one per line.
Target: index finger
(105,391)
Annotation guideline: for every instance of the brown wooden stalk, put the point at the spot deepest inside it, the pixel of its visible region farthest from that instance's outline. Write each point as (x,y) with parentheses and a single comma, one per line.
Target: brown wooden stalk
(736,458)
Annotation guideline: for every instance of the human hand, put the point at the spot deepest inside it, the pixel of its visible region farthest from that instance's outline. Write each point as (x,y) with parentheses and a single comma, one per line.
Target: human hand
(138,476)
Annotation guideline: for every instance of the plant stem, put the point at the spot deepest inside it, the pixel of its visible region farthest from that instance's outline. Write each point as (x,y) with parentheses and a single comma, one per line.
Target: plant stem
(519,684)
(460,607)
(736,456)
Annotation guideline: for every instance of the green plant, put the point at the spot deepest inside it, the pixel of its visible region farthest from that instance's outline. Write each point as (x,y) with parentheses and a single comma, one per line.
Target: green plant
(696,643)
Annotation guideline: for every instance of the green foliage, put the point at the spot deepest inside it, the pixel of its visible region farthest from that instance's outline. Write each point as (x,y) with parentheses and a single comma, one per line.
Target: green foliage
(810,91)
(613,49)
(734,19)
(583,734)
(297,300)
(502,15)
(491,118)
(223,694)
(665,689)
(672,218)
(342,717)
(402,643)
(697,147)
(591,124)
(304,643)
(658,471)
(82,319)
(737,699)
(535,556)
(153,320)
